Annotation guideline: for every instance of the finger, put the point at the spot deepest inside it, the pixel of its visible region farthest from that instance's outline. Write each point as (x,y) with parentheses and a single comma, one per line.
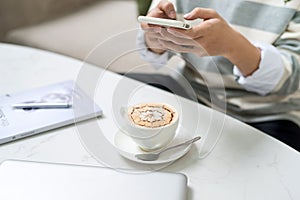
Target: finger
(163,34)
(153,36)
(203,13)
(201,30)
(176,40)
(152,29)
(157,46)
(164,9)
(192,34)
(153,43)
(180,33)
(178,48)
(168,8)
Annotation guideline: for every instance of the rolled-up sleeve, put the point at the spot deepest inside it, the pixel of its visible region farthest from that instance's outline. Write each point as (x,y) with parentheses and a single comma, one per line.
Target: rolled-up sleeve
(268,74)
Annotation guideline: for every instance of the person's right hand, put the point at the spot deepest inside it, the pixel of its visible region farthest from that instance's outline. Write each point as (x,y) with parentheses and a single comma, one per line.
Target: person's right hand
(164,9)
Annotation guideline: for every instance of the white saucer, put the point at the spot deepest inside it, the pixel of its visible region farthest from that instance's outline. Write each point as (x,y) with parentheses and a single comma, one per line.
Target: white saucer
(128,148)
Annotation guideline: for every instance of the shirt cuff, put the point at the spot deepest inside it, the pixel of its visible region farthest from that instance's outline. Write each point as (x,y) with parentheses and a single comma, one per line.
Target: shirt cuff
(156,60)
(268,74)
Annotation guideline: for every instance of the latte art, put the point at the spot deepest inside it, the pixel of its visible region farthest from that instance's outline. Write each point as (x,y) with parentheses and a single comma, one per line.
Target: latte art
(151,125)
(151,115)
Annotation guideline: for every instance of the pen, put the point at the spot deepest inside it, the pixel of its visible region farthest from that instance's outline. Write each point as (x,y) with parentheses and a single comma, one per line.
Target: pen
(42,105)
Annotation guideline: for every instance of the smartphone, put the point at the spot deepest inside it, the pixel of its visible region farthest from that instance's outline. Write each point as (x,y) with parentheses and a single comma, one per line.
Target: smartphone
(164,22)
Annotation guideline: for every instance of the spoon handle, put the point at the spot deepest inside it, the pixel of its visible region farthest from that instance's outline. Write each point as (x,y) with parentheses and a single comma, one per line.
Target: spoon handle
(181,144)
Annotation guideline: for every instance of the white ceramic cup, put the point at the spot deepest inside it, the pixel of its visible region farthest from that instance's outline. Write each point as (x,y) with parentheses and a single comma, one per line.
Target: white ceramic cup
(153,136)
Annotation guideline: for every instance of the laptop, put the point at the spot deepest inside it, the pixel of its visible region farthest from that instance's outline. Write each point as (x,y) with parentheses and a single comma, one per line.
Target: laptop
(20,122)
(34,181)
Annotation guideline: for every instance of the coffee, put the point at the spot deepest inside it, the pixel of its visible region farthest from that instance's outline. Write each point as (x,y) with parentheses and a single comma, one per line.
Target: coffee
(151,125)
(151,115)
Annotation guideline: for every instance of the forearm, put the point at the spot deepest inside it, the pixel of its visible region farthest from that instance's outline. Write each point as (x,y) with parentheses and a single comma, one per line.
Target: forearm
(243,54)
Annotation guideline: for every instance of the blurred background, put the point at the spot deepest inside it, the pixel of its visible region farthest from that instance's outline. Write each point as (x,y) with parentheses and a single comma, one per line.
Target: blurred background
(74,27)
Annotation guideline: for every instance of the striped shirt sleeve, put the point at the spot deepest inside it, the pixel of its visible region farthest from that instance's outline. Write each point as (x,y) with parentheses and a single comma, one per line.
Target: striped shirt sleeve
(289,46)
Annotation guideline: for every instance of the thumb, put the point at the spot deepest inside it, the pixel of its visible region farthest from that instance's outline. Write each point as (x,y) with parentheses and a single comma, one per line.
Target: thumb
(203,13)
(168,8)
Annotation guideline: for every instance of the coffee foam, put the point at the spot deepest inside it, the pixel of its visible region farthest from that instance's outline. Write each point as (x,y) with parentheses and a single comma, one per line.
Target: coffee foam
(151,115)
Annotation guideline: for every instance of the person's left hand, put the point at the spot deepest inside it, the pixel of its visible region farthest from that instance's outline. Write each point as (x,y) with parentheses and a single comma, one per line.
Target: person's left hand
(211,37)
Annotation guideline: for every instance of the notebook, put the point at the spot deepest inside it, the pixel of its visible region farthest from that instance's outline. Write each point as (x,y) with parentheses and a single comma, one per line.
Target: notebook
(34,181)
(19,123)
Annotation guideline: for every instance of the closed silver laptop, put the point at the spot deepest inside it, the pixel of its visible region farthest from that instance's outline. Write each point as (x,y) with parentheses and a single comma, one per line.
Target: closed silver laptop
(36,181)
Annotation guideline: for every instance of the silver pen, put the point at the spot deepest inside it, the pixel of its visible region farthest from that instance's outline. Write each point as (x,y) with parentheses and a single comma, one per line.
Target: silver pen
(42,105)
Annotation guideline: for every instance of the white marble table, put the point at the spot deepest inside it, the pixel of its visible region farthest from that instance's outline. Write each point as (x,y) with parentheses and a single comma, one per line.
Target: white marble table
(244,163)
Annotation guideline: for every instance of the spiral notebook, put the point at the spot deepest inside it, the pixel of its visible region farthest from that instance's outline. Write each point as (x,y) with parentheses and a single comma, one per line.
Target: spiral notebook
(18,123)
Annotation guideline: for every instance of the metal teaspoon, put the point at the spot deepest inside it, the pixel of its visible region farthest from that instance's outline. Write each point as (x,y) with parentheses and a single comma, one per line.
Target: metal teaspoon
(155,156)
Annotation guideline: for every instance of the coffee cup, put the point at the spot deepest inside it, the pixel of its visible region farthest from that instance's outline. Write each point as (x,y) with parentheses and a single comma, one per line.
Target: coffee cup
(151,125)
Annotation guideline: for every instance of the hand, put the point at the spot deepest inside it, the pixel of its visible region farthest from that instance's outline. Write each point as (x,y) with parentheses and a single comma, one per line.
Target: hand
(210,38)
(214,36)
(164,9)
